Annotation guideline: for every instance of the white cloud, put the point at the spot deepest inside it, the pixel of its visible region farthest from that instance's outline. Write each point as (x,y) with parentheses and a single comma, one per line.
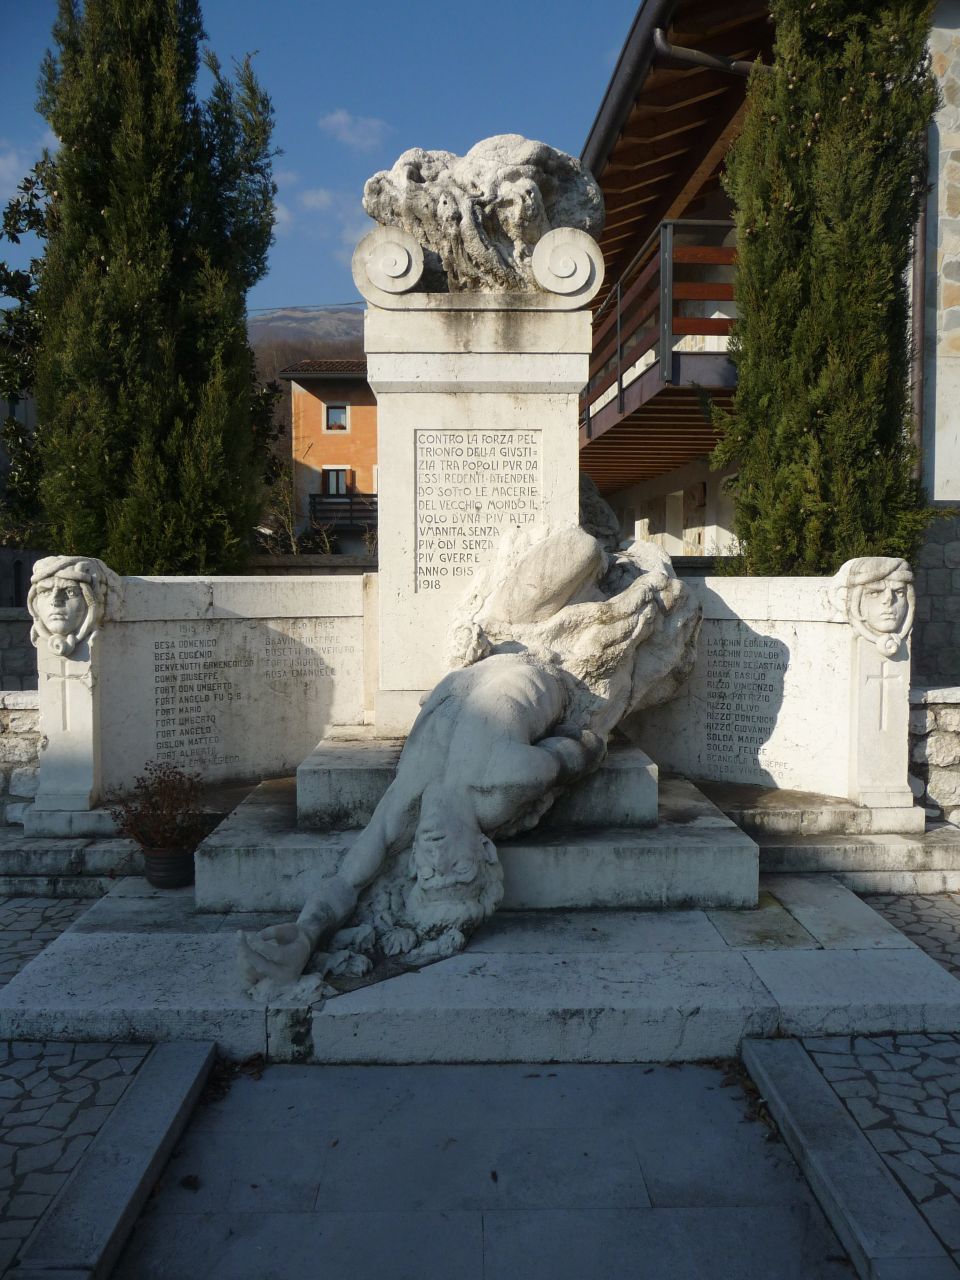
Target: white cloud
(17,161)
(286,177)
(13,166)
(364,133)
(317,198)
(282,218)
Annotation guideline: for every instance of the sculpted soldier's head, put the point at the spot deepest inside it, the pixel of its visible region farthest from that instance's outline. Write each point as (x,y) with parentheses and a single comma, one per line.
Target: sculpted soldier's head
(876,595)
(66,601)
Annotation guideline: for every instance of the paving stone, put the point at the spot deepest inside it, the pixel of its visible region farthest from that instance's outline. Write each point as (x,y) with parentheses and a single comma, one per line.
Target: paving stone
(949,1134)
(31,1159)
(27,1206)
(918,1184)
(864,1112)
(934,1107)
(88,1121)
(101,1070)
(26,1048)
(842,1073)
(920,1142)
(31,1135)
(854,1088)
(943,1214)
(917,1160)
(886,1140)
(914,1092)
(60,1114)
(47,1184)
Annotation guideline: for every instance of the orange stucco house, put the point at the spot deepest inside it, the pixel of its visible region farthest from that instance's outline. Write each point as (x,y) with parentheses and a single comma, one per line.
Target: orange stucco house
(334,446)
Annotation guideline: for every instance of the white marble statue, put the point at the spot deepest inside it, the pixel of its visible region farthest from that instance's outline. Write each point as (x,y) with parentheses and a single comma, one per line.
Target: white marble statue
(875,594)
(479,217)
(558,641)
(67,599)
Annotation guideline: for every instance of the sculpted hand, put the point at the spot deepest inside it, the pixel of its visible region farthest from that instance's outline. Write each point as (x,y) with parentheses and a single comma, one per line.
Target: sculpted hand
(278,953)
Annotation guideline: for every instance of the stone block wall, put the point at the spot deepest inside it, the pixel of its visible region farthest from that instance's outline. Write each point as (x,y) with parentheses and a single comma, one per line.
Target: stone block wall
(18,658)
(935,750)
(19,751)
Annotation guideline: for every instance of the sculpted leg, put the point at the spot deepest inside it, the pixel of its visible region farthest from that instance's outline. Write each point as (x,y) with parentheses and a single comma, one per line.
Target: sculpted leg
(281,952)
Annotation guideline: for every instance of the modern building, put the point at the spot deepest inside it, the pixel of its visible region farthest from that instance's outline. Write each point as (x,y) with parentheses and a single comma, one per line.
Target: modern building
(671,111)
(334,450)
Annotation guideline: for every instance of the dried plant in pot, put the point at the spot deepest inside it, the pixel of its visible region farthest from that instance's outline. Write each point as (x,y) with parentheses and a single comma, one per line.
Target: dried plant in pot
(163,814)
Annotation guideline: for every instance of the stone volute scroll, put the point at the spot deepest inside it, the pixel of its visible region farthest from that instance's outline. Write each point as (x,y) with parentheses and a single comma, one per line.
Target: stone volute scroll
(513,220)
(875,595)
(68,600)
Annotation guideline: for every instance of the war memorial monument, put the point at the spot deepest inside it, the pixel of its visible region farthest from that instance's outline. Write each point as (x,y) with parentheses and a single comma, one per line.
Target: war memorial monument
(522,795)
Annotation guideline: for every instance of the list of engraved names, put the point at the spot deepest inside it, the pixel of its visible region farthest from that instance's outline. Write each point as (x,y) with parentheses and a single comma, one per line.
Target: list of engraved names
(742,680)
(471,487)
(207,673)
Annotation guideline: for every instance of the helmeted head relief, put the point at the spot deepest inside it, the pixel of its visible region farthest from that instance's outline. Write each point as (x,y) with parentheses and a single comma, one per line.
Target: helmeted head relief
(875,594)
(67,599)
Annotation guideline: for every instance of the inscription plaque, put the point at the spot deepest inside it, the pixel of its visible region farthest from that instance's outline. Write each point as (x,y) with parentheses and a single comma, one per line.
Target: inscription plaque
(223,697)
(471,486)
(741,673)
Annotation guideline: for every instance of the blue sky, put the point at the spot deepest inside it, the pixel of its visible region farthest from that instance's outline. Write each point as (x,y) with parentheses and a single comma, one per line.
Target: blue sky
(353,85)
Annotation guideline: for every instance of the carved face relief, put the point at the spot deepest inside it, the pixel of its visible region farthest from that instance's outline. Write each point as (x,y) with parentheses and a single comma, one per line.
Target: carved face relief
(875,594)
(67,600)
(60,605)
(884,606)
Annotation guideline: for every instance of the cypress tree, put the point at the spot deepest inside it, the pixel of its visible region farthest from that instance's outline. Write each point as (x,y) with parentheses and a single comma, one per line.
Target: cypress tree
(159,221)
(827,179)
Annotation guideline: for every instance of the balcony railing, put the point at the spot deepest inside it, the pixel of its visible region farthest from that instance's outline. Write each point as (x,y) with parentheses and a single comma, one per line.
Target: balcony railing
(344,511)
(665,301)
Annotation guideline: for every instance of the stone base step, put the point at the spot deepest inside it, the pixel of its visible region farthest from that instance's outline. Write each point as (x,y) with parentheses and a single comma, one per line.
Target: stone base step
(624,986)
(257,859)
(927,863)
(341,782)
(765,811)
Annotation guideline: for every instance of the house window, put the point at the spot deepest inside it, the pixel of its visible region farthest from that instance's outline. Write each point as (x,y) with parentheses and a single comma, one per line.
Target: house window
(336,417)
(335,482)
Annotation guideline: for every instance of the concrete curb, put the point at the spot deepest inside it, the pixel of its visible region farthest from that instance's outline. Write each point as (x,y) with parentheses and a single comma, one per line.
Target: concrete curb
(877,1223)
(83,1232)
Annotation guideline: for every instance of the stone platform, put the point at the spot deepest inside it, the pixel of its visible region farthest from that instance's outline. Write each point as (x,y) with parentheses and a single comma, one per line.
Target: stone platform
(776,811)
(259,860)
(341,782)
(619,986)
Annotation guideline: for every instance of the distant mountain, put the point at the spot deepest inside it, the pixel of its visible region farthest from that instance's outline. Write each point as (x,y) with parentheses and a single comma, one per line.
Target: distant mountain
(324,332)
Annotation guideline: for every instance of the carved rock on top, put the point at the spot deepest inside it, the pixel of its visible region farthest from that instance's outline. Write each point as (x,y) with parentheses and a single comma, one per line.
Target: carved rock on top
(875,594)
(67,600)
(480,217)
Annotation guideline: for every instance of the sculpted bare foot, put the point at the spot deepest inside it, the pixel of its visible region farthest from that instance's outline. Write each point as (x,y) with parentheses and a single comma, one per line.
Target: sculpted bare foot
(278,953)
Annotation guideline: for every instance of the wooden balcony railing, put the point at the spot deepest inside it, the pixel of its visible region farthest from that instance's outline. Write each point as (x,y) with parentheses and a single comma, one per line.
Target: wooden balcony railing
(682,272)
(344,511)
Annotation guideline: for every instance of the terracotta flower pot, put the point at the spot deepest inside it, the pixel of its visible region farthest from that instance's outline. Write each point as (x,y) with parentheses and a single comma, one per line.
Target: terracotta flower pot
(168,868)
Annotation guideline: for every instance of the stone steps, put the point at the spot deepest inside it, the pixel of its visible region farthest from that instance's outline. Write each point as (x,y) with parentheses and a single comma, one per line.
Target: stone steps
(585,986)
(926,863)
(258,859)
(771,811)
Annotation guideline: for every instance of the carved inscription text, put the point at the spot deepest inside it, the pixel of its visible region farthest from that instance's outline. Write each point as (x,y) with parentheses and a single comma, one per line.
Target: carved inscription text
(471,487)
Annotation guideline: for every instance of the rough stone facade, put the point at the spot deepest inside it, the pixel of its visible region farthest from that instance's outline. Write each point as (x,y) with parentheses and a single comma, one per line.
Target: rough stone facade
(19,751)
(935,750)
(18,658)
